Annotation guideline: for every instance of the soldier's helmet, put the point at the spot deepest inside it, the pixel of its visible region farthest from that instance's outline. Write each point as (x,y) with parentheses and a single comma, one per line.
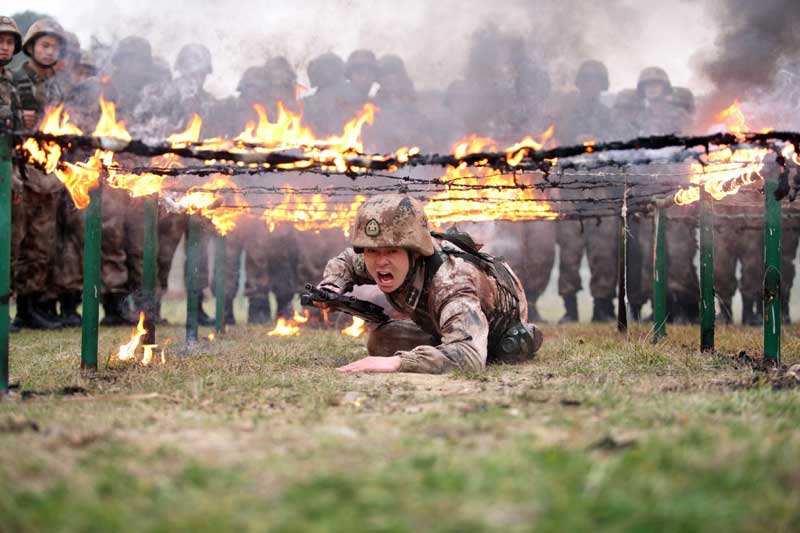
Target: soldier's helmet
(629,99)
(87,61)
(194,59)
(325,70)
(361,59)
(254,79)
(133,49)
(592,70)
(390,65)
(7,25)
(44,26)
(684,98)
(654,75)
(280,72)
(392,221)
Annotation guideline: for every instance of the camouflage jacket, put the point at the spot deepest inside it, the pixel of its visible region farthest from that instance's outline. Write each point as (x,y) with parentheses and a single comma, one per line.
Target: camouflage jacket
(9,101)
(166,109)
(664,118)
(38,93)
(454,303)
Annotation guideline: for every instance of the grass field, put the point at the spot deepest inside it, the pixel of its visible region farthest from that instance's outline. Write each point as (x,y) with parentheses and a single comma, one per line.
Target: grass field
(258,433)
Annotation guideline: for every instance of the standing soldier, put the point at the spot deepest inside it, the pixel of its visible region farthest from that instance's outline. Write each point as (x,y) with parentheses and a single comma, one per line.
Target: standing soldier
(334,102)
(44,45)
(10,120)
(663,117)
(585,118)
(81,100)
(361,70)
(167,109)
(123,223)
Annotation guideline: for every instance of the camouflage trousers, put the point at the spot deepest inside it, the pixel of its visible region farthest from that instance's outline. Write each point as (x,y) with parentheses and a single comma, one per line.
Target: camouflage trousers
(35,237)
(68,270)
(274,262)
(743,244)
(534,256)
(599,241)
(123,242)
(172,228)
(790,238)
(681,250)
(404,335)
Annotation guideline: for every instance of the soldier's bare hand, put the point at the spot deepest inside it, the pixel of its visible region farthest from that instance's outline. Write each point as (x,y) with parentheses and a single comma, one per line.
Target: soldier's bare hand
(29,119)
(373,364)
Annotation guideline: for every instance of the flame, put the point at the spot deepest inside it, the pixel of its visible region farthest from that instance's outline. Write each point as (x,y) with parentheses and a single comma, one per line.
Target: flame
(301,319)
(208,201)
(127,351)
(725,170)
(463,201)
(516,152)
(190,135)
(211,337)
(284,328)
(108,127)
(356,329)
(312,213)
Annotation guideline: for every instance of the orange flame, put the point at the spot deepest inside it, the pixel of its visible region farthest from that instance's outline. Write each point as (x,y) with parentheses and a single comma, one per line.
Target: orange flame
(301,319)
(284,328)
(726,170)
(208,201)
(356,329)
(108,127)
(312,214)
(460,203)
(128,351)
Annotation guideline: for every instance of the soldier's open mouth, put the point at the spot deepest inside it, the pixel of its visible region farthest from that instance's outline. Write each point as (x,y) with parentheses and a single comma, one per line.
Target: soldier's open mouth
(385,278)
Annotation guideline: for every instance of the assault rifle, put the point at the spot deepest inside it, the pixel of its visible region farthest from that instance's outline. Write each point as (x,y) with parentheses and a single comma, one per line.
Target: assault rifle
(367,311)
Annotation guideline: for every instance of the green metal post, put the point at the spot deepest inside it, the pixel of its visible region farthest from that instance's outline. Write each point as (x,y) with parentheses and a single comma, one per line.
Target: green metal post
(659,276)
(622,254)
(5,255)
(772,272)
(707,308)
(219,283)
(192,282)
(150,267)
(91,278)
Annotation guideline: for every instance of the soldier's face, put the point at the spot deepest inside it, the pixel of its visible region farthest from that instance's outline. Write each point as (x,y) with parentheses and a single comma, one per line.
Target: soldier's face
(387,266)
(653,91)
(6,47)
(46,50)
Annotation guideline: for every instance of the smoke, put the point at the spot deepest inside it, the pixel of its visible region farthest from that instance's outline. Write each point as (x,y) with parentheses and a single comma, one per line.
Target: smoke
(754,40)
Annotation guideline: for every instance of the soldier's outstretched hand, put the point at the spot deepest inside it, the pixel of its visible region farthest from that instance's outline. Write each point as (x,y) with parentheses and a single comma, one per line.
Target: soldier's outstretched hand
(373,364)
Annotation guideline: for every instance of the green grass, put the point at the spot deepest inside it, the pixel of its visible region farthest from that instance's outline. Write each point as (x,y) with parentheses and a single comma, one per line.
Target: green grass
(256,433)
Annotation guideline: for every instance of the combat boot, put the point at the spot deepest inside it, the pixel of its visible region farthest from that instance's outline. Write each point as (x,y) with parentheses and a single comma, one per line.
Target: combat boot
(30,317)
(69,309)
(203,318)
(49,308)
(690,310)
(116,312)
(785,316)
(635,311)
(758,314)
(230,319)
(258,310)
(571,306)
(725,315)
(603,310)
(747,311)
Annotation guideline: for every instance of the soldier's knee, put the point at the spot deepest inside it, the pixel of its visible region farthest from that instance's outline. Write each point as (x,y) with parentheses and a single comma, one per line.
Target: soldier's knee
(397,335)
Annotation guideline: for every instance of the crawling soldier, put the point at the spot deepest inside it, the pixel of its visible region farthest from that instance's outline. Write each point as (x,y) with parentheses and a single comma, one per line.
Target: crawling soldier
(464,306)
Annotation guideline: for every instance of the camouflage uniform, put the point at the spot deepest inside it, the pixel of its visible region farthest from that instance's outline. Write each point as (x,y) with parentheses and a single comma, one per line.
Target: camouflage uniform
(122,248)
(38,90)
(458,305)
(663,117)
(739,240)
(10,120)
(166,109)
(586,118)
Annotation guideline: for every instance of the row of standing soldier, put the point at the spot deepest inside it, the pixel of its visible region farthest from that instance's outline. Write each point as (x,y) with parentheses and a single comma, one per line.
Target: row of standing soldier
(503,95)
